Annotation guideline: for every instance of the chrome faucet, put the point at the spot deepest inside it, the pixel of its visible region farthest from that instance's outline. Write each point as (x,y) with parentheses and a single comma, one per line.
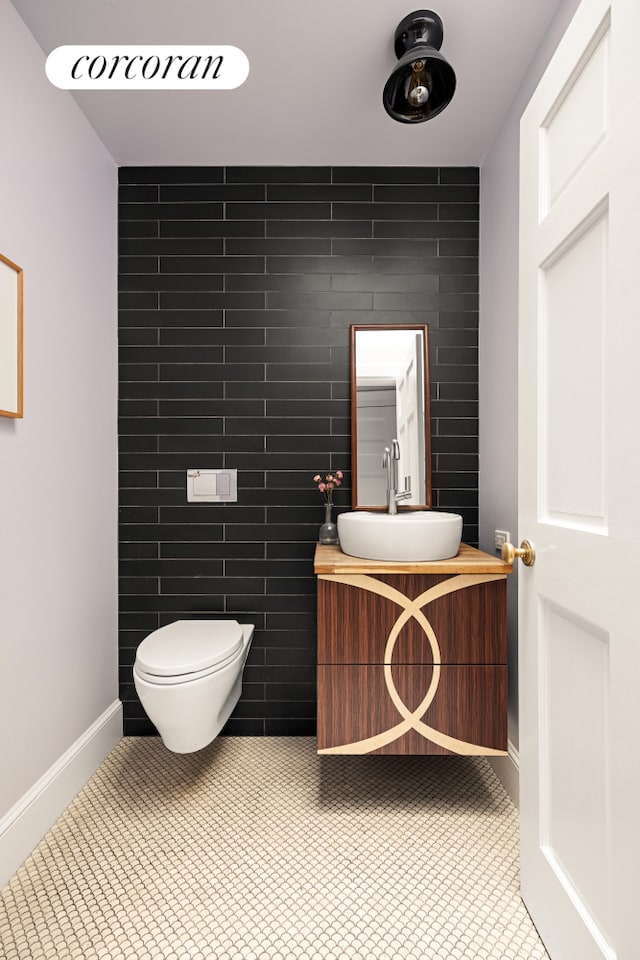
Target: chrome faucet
(390,463)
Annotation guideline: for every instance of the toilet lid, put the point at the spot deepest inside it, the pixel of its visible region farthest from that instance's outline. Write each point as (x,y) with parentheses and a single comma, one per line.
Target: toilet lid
(188,646)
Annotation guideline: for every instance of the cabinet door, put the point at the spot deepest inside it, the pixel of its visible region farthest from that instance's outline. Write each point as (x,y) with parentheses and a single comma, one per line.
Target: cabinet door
(457,619)
(412,709)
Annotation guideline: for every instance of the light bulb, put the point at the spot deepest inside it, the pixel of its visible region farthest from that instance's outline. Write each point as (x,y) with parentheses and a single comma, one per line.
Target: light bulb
(417,91)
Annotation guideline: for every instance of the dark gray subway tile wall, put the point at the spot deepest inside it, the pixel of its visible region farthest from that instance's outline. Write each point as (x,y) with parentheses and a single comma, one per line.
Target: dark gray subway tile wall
(238,286)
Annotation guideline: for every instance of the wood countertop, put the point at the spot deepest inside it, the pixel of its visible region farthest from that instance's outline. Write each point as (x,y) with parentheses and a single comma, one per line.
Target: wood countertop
(469,560)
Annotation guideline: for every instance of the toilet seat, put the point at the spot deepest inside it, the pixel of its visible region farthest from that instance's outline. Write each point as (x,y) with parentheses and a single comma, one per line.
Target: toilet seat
(188,650)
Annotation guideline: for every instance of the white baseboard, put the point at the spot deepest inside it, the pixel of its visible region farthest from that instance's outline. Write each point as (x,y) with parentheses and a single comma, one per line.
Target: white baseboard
(22,828)
(507,770)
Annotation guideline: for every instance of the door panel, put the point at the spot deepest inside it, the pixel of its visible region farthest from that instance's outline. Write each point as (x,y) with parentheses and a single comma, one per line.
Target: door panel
(579,473)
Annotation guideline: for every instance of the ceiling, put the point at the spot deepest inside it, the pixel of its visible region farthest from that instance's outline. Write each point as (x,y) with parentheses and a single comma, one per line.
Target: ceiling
(314,91)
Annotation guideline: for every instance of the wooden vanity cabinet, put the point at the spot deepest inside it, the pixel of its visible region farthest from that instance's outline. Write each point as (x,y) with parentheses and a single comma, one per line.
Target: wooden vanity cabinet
(412,658)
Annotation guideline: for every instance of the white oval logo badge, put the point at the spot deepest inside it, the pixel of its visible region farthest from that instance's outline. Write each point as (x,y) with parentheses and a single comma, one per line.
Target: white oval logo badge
(146,67)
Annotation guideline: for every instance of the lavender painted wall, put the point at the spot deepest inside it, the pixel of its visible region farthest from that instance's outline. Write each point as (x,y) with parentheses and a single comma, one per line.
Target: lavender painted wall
(58,465)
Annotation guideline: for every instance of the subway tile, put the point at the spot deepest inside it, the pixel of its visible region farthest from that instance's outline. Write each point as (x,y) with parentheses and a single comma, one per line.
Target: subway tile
(272,426)
(270,281)
(275,247)
(449,462)
(243,727)
(170,461)
(385,175)
(457,355)
(171,211)
(210,336)
(385,211)
(458,391)
(196,193)
(454,408)
(321,445)
(205,299)
(211,408)
(424,229)
(171,353)
(457,426)
(209,513)
(456,318)
(331,264)
(457,247)
(458,211)
(283,727)
(269,319)
(171,175)
(278,174)
(211,586)
(136,444)
(278,211)
(236,352)
(181,390)
(438,266)
(384,247)
(171,281)
(137,479)
(461,283)
(459,175)
(137,300)
(296,391)
(425,193)
(211,550)
(297,407)
(278,353)
(137,264)
(177,247)
(214,265)
(319,228)
(318,192)
(211,371)
(138,229)
(210,228)
(137,408)
(163,425)
(386,282)
(170,318)
(323,300)
(137,193)
(137,336)
(452,337)
(150,496)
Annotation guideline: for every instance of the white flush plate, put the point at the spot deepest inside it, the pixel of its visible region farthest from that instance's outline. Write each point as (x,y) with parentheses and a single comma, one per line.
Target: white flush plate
(212,486)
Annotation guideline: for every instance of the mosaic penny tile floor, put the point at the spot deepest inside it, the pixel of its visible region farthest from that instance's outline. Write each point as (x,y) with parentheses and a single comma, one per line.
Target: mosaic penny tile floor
(257,849)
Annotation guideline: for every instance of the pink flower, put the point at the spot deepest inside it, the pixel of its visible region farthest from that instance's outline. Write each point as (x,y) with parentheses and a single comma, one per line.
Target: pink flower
(327,485)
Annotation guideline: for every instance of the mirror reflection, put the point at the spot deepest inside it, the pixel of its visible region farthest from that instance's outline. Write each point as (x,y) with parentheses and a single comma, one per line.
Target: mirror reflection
(390,412)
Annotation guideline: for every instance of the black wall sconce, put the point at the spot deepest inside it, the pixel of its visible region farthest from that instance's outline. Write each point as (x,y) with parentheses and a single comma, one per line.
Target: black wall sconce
(422,83)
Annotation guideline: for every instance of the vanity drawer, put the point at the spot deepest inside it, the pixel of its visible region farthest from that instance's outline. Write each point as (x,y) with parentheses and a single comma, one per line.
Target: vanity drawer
(466,614)
(357,714)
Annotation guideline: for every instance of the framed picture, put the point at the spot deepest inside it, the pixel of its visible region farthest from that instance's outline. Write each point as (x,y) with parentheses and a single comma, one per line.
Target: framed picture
(11,342)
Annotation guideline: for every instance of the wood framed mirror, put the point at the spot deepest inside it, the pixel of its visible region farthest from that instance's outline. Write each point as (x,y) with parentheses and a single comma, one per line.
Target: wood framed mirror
(10,338)
(390,401)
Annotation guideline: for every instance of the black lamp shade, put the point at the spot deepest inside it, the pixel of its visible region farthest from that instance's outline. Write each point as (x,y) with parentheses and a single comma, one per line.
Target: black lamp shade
(417,43)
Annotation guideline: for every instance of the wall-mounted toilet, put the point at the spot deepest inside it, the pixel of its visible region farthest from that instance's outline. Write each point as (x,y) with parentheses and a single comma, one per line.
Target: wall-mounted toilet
(188,676)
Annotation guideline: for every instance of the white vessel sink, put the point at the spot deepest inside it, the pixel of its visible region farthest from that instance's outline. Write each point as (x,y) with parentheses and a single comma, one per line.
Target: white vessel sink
(407,536)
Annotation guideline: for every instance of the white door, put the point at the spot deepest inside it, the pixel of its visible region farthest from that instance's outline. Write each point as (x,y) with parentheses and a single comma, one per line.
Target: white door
(579,469)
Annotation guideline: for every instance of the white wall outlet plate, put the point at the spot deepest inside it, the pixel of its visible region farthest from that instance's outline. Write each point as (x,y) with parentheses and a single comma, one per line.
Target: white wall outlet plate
(500,537)
(212,486)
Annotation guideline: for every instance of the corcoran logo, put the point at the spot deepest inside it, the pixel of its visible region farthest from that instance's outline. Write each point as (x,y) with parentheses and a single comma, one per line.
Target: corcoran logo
(113,67)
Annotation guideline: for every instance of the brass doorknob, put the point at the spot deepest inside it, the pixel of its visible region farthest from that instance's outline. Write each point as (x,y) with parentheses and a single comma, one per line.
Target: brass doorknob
(525,551)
